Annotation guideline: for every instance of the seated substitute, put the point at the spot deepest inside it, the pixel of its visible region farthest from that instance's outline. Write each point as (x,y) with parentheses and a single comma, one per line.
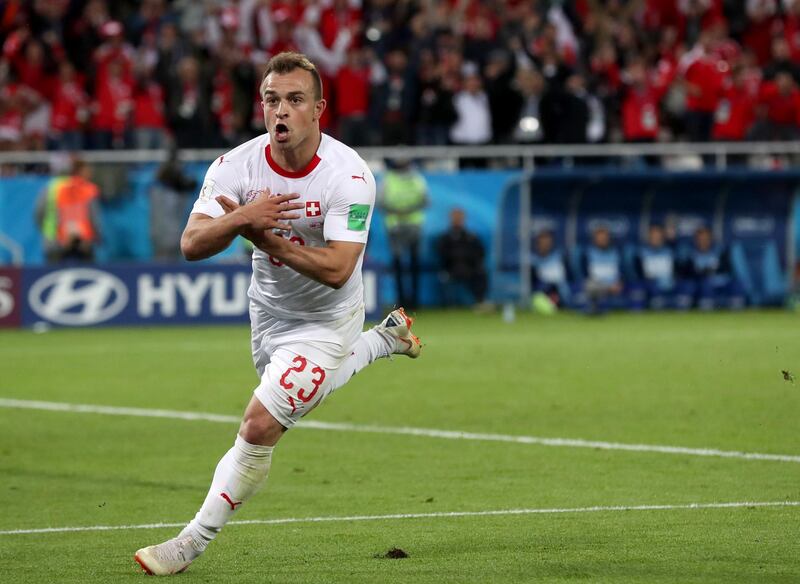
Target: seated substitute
(601,268)
(656,267)
(461,257)
(709,268)
(549,281)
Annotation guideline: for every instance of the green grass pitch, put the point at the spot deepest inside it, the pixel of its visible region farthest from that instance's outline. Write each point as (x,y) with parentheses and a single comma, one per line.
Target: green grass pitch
(690,380)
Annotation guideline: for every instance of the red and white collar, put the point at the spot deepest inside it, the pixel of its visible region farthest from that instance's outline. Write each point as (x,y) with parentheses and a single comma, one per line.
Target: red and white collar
(305,171)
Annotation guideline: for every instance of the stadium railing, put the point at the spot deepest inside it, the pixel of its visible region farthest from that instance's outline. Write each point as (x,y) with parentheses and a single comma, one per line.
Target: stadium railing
(526,155)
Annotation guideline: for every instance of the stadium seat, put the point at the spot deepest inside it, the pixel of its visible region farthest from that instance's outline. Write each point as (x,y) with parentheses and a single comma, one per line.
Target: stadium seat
(757,267)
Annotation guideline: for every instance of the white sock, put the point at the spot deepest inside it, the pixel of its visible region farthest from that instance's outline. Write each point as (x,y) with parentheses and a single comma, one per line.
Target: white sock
(369,347)
(239,476)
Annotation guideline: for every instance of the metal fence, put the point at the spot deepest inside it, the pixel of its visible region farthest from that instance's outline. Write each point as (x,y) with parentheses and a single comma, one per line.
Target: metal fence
(673,155)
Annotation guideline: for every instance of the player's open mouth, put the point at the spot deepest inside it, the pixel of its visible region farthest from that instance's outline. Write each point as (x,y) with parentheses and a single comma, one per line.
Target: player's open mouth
(281,132)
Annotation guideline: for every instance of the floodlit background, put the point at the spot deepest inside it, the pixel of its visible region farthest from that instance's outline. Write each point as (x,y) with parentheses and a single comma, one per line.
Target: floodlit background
(601,262)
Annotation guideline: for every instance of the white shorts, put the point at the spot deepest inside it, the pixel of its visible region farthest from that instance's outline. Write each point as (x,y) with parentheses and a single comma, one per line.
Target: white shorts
(298,361)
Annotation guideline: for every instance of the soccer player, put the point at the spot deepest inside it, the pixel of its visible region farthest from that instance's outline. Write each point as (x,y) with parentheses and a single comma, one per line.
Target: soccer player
(305,201)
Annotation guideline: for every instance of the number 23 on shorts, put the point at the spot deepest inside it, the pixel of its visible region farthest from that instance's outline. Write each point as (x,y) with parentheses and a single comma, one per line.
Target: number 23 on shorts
(301,394)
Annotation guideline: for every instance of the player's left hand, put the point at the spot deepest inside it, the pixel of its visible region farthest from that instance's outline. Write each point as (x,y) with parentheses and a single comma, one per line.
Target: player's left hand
(263,240)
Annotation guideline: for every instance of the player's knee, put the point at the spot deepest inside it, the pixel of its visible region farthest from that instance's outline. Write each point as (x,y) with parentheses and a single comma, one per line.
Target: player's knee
(260,428)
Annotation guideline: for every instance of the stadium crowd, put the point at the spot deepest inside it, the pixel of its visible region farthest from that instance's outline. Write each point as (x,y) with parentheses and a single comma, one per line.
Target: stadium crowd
(100,74)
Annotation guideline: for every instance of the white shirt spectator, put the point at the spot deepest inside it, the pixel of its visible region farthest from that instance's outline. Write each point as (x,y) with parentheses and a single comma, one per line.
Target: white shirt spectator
(474,125)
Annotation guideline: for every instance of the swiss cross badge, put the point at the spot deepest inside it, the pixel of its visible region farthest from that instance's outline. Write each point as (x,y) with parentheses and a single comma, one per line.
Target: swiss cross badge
(313,209)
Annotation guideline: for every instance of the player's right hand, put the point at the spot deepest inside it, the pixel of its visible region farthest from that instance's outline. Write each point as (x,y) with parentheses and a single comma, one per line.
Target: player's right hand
(265,212)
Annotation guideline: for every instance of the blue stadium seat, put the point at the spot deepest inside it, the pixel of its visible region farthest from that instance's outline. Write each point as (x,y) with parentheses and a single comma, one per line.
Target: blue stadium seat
(757,267)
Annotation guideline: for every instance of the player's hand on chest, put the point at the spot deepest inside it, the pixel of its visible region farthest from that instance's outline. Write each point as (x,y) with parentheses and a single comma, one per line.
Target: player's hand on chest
(309,225)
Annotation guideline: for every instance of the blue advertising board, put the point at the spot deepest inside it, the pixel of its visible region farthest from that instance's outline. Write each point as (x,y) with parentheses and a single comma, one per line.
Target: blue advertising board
(93,295)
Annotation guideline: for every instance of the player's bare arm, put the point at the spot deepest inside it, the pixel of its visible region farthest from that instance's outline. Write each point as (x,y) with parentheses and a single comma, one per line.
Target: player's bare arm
(331,265)
(205,236)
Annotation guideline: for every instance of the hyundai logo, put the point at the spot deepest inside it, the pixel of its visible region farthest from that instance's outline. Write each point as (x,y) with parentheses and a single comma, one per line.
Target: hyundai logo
(78,297)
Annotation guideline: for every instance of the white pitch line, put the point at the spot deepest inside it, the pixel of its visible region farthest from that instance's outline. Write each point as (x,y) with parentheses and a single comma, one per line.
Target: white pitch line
(115,411)
(445,514)
(400,430)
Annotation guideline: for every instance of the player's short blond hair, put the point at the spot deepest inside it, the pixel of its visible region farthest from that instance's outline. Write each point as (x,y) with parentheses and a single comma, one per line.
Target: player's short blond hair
(287,62)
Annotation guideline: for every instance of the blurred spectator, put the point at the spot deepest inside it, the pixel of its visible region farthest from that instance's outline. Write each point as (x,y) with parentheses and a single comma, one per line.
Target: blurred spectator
(435,112)
(46,21)
(696,16)
(736,108)
(246,99)
(601,267)
(114,52)
(226,28)
(703,80)
(169,197)
(504,101)
(17,102)
(189,107)
(403,199)
(31,75)
(480,27)
(341,15)
(791,28)
(68,216)
(83,34)
(762,19)
(149,17)
(171,48)
(149,120)
(778,109)
(352,99)
(223,87)
(565,112)
(549,271)
(70,110)
(640,106)
(35,68)
(113,108)
(781,61)
(382,21)
(285,31)
(473,124)
(461,256)
(605,70)
(710,270)
(392,101)
(529,84)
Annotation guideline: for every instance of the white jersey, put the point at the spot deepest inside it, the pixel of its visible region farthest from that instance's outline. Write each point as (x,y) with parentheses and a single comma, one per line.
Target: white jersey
(337,190)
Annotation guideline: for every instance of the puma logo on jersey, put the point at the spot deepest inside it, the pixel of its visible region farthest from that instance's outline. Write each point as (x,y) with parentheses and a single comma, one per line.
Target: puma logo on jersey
(356,177)
(230,502)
